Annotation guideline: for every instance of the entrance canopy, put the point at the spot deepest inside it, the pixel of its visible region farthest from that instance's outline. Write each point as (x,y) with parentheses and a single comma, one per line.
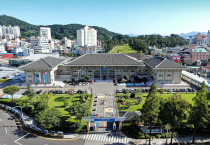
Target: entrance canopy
(105,119)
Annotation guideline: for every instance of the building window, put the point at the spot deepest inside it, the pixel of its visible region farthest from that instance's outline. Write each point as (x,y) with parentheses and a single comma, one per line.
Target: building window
(125,71)
(132,70)
(29,76)
(30,81)
(89,70)
(168,75)
(75,76)
(60,70)
(160,75)
(28,70)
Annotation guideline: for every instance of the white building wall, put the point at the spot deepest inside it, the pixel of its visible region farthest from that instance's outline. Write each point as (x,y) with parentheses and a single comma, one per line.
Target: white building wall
(45,32)
(87,36)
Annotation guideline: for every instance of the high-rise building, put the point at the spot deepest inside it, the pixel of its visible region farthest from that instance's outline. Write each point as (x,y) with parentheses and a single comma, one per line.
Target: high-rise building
(87,36)
(45,33)
(9,32)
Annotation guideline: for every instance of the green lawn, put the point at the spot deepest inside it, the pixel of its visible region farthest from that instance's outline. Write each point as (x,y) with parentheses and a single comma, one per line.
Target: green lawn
(56,101)
(125,49)
(187,96)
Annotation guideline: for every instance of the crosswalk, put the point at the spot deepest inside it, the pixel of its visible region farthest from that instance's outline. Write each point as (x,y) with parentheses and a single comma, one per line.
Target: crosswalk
(106,138)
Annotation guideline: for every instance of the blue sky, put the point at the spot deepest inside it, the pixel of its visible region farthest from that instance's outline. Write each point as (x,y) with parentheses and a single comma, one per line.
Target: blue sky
(122,16)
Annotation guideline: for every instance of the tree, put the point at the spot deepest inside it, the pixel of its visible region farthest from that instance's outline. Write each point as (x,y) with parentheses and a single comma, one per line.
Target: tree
(48,118)
(150,109)
(87,78)
(125,91)
(126,77)
(200,111)
(128,104)
(79,110)
(132,95)
(162,91)
(11,90)
(174,112)
(31,93)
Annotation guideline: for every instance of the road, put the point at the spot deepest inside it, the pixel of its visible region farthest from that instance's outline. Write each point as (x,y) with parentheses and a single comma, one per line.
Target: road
(11,134)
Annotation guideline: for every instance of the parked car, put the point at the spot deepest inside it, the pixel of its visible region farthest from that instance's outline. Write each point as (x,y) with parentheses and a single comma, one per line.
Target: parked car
(119,91)
(39,92)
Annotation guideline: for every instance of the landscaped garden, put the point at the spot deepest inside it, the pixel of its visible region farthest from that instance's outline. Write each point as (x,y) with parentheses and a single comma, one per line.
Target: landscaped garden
(55,111)
(128,102)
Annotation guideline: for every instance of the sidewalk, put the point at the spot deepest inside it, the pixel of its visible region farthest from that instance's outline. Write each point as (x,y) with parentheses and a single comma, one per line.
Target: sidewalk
(184,140)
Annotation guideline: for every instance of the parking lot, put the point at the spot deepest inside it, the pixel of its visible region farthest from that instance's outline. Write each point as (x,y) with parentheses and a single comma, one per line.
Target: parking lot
(146,90)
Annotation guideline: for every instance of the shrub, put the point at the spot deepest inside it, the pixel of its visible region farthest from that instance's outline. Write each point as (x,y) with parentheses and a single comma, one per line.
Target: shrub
(136,78)
(142,136)
(139,99)
(126,77)
(158,136)
(132,95)
(162,135)
(147,136)
(65,102)
(65,81)
(123,103)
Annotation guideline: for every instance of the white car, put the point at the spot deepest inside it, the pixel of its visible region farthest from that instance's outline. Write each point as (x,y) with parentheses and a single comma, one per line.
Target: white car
(119,91)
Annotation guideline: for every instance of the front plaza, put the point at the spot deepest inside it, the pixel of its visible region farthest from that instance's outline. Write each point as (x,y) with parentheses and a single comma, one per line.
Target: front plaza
(102,67)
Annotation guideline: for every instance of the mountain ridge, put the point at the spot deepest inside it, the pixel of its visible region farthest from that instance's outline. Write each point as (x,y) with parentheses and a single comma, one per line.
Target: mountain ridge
(58,31)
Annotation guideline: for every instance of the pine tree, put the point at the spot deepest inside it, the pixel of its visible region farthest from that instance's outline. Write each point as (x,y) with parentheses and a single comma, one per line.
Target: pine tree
(200,111)
(150,109)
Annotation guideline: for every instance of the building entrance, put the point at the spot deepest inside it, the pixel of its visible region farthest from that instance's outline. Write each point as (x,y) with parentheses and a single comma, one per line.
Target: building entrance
(108,123)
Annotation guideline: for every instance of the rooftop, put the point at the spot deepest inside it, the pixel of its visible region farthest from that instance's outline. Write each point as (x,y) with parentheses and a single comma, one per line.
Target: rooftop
(199,50)
(161,62)
(105,59)
(44,63)
(35,57)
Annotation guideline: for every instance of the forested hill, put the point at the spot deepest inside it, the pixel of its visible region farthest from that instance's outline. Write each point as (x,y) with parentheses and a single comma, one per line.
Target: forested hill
(110,39)
(58,31)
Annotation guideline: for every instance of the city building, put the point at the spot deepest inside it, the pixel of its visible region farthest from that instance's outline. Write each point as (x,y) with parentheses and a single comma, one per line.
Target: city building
(186,57)
(2,49)
(45,33)
(164,70)
(208,36)
(41,50)
(87,36)
(17,51)
(104,66)
(28,51)
(174,57)
(199,54)
(42,71)
(6,55)
(9,32)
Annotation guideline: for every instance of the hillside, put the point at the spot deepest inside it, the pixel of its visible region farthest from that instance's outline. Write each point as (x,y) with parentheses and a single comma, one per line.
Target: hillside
(58,31)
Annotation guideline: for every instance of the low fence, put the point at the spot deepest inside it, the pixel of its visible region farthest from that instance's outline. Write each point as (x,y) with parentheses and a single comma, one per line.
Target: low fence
(30,126)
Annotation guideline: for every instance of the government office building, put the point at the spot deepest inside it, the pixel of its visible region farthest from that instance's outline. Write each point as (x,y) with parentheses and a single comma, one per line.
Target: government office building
(102,66)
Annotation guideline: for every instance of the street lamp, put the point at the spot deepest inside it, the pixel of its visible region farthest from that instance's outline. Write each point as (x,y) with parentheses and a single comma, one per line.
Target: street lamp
(20,109)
